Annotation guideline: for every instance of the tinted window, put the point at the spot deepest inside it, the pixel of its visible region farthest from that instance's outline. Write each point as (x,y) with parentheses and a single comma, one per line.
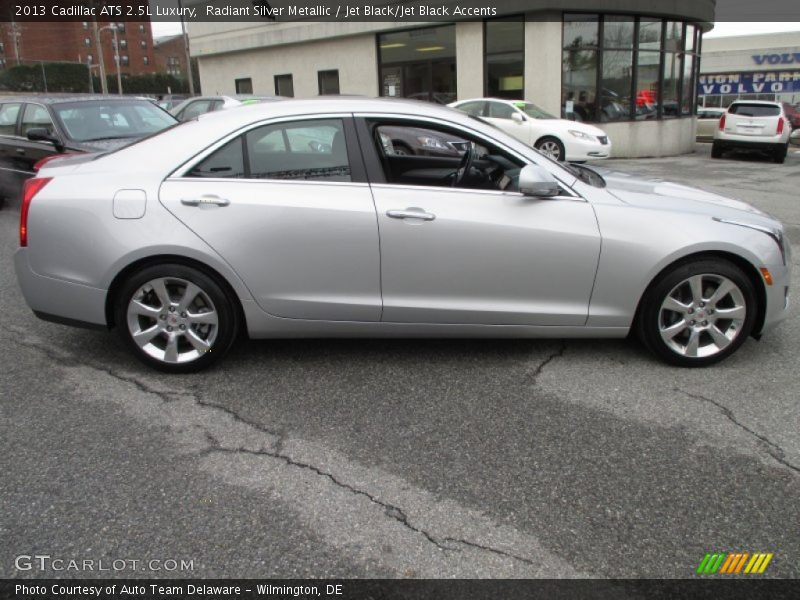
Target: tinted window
(309,150)
(754,110)
(328,82)
(228,162)
(8,119)
(500,111)
(284,86)
(35,115)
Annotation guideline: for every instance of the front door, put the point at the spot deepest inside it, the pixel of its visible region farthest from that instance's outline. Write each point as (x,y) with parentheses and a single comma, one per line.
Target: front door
(451,253)
(295,220)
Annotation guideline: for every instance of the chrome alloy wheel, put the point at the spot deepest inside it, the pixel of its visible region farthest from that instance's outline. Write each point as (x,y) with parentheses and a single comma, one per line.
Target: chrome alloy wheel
(172,320)
(551,148)
(702,315)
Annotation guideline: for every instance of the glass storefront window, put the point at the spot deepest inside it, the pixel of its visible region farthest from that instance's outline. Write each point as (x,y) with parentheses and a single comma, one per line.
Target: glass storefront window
(647,93)
(615,90)
(618,32)
(419,64)
(672,77)
(505,58)
(581,31)
(579,84)
(619,67)
(689,85)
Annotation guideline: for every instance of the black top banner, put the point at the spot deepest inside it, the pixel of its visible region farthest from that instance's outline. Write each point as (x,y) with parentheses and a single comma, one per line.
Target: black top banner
(266,11)
(391,589)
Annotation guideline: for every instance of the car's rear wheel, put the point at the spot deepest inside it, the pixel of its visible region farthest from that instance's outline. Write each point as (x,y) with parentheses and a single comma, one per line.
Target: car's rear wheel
(699,313)
(779,155)
(176,318)
(716,150)
(552,147)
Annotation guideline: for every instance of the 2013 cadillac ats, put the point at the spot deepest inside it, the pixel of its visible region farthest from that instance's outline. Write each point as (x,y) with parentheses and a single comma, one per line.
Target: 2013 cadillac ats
(297,218)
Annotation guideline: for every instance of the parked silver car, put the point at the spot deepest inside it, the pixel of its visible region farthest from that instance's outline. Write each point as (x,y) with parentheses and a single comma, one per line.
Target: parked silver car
(290,219)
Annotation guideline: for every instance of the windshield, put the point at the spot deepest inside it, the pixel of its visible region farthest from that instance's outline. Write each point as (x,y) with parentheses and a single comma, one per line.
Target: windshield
(96,120)
(533,111)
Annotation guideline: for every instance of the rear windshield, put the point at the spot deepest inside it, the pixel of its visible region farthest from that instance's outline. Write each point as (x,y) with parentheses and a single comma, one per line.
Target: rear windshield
(754,110)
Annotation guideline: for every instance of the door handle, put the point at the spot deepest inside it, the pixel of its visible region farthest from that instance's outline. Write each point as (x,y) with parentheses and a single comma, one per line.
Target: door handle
(410,213)
(205,201)
(21,151)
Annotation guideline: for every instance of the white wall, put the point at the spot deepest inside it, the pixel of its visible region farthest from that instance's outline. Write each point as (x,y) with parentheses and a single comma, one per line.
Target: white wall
(543,62)
(354,57)
(651,138)
(469,60)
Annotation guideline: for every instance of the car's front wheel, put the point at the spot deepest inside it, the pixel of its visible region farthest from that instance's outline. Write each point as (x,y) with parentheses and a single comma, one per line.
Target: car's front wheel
(552,147)
(176,318)
(698,313)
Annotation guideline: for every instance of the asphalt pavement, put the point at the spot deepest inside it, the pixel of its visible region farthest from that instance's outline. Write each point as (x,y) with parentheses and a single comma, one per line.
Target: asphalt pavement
(403,458)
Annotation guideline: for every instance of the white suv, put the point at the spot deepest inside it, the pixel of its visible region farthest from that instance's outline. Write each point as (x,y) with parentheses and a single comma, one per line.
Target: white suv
(753,125)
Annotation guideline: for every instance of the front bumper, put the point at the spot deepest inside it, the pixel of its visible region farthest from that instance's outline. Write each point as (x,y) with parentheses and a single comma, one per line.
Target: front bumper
(59,300)
(777,308)
(578,149)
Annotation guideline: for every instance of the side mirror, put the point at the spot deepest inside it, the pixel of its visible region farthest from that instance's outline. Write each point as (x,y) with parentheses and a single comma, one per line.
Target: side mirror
(517,118)
(536,181)
(42,134)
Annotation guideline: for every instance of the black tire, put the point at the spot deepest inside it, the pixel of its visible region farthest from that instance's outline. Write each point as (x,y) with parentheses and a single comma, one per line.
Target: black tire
(649,317)
(716,150)
(779,155)
(549,140)
(226,328)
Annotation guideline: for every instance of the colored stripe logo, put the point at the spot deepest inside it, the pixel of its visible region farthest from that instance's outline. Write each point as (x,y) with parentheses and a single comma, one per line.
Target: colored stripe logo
(734,563)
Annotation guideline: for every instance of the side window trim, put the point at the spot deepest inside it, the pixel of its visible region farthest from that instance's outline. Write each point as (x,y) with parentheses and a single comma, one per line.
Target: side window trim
(358,174)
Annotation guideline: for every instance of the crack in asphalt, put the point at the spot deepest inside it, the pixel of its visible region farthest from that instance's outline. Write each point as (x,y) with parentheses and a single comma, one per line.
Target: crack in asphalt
(773,449)
(391,510)
(550,358)
(215,446)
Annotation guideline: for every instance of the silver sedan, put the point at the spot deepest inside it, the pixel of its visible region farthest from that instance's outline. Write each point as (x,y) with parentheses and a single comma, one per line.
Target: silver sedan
(295,219)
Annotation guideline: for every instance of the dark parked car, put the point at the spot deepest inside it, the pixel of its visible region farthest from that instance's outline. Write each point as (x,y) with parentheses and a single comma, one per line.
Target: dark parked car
(38,127)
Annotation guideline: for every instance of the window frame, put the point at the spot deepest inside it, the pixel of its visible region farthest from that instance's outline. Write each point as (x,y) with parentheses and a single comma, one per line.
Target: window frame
(321,74)
(276,78)
(18,119)
(358,173)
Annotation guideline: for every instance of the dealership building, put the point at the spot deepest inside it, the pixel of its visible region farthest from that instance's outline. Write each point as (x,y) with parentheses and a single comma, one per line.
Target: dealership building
(617,63)
(750,67)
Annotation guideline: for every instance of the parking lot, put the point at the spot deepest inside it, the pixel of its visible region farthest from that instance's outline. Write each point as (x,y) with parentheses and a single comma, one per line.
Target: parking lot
(405,458)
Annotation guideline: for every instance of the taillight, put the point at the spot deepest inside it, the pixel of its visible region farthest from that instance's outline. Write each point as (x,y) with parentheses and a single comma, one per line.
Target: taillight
(30,188)
(722,122)
(780,125)
(38,165)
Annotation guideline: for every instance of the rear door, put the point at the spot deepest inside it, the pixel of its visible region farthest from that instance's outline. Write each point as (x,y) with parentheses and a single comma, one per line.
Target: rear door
(745,118)
(287,205)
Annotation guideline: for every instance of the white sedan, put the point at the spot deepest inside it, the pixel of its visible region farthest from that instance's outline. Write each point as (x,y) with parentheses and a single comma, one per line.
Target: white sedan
(558,138)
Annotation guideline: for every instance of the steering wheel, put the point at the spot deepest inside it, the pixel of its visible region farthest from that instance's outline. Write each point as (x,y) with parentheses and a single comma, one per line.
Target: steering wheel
(464,166)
